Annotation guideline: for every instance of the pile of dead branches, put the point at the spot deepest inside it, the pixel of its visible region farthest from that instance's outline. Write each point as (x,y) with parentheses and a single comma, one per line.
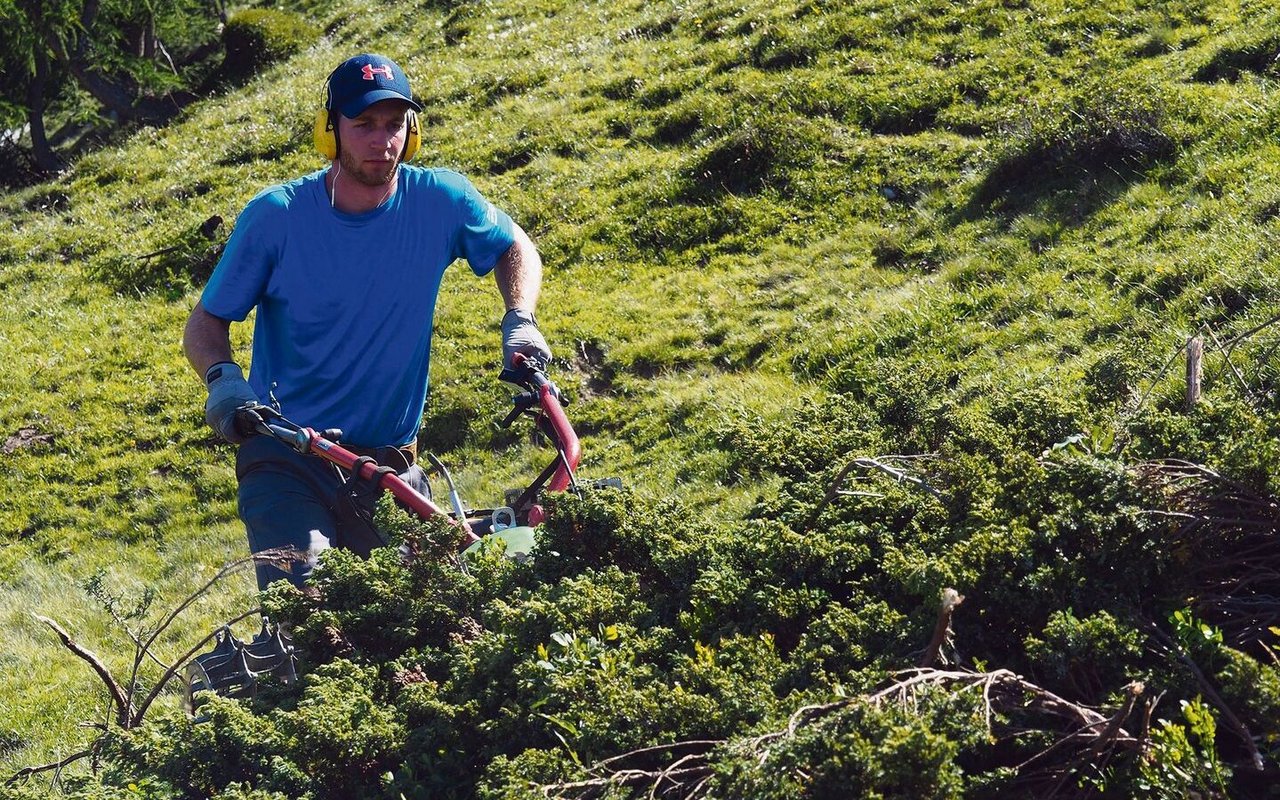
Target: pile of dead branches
(1227,534)
(1083,735)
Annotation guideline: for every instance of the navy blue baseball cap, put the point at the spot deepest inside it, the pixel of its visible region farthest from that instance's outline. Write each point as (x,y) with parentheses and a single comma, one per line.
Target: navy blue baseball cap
(363,80)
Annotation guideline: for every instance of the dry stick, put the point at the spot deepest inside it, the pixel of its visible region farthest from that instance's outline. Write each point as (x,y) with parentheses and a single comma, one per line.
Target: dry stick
(1265,357)
(131,717)
(629,777)
(1102,745)
(950,599)
(234,566)
(1156,381)
(1144,739)
(1233,341)
(1232,720)
(864,462)
(678,768)
(709,744)
(118,695)
(1189,470)
(636,776)
(678,774)
(1226,356)
(27,772)
(1112,734)
(1269,651)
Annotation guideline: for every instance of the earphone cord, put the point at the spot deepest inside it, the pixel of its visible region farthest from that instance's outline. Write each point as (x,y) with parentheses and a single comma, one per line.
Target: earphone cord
(333,194)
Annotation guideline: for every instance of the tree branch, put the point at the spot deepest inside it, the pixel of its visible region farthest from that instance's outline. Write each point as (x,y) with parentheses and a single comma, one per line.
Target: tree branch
(864,462)
(1228,716)
(27,772)
(118,695)
(179,664)
(950,600)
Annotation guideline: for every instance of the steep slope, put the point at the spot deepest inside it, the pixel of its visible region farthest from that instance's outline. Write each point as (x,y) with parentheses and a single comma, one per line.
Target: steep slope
(779,236)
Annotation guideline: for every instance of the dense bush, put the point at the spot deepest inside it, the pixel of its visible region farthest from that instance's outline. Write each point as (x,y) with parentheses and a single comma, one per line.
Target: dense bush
(255,38)
(634,629)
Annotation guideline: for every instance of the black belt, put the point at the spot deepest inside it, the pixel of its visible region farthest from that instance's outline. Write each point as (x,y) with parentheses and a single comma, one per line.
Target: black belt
(399,458)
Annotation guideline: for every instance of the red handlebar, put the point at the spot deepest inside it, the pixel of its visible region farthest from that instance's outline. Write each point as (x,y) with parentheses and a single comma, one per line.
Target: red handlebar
(524,372)
(390,482)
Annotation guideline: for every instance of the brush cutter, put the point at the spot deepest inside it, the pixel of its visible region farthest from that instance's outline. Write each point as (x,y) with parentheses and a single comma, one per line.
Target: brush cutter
(233,667)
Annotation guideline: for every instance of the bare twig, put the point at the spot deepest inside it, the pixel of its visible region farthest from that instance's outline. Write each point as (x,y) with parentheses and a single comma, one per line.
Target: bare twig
(1233,341)
(863,462)
(134,718)
(1101,744)
(1229,716)
(272,556)
(687,776)
(178,664)
(1156,381)
(705,744)
(162,251)
(27,772)
(1226,356)
(164,52)
(118,696)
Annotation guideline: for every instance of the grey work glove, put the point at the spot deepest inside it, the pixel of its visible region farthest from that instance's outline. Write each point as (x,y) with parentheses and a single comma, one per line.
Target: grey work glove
(228,393)
(520,334)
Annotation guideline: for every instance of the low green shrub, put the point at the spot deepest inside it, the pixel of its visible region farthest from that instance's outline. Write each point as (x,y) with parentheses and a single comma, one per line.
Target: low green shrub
(1099,127)
(184,261)
(256,38)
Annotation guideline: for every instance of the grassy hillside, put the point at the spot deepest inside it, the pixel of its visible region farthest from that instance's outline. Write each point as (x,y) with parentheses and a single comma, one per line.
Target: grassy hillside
(778,236)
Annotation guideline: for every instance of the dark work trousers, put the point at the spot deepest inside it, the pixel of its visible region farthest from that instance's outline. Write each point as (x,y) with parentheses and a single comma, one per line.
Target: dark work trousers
(298,501)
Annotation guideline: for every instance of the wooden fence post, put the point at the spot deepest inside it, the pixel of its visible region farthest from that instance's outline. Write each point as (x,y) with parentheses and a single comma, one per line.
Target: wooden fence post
(1195,357)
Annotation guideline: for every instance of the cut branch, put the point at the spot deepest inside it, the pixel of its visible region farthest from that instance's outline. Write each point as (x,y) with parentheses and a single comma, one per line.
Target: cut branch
(1092,735)
(27,772)
(942,630)
(863,462)
(118,696)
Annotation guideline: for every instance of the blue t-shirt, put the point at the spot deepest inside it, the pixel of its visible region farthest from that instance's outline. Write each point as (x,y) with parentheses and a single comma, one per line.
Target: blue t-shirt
(345,302)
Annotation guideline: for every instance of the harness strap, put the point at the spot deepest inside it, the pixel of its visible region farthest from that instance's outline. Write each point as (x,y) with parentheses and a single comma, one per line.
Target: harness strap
(401,458)
(367,488)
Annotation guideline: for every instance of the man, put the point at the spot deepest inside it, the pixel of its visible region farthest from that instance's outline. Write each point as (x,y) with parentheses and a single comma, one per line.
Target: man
(343,266)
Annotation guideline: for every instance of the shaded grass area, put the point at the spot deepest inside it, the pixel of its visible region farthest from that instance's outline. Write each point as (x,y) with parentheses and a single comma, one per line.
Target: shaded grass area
(1014,208)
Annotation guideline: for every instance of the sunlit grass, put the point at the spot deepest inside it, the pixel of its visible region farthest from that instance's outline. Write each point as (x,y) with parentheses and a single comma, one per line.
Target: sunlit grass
(741,207)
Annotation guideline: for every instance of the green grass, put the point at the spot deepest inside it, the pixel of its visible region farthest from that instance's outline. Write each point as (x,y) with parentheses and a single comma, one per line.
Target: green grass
(742,207)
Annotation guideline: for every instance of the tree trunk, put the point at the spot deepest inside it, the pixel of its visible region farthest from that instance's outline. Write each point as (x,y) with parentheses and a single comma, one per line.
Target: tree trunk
(114,95)
(40,149)
(149,37)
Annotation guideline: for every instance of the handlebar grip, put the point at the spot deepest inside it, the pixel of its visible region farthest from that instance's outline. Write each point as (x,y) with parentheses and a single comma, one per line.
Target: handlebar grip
(249,422)
(512,417)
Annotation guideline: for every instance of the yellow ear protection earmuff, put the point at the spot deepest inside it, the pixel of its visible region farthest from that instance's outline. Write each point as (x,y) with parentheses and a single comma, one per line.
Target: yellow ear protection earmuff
(325,134)
(413,136)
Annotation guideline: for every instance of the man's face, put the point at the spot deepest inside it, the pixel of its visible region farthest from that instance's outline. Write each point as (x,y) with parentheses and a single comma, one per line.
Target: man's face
(370,144)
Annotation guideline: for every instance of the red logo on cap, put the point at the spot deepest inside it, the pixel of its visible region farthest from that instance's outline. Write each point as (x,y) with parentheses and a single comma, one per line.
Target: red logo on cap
(369,70)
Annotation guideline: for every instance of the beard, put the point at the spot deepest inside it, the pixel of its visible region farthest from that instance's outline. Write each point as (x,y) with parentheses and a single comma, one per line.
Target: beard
(372,175)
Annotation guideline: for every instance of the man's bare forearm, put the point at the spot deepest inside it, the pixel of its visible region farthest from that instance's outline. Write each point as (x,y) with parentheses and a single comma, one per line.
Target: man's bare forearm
(206,340)
(519,273)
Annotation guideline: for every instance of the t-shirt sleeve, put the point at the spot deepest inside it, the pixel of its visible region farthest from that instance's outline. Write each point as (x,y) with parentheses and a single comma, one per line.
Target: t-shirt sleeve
(240,278)
(484,231)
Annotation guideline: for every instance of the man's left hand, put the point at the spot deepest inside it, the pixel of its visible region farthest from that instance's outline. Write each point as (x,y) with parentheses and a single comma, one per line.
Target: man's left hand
(520,334)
